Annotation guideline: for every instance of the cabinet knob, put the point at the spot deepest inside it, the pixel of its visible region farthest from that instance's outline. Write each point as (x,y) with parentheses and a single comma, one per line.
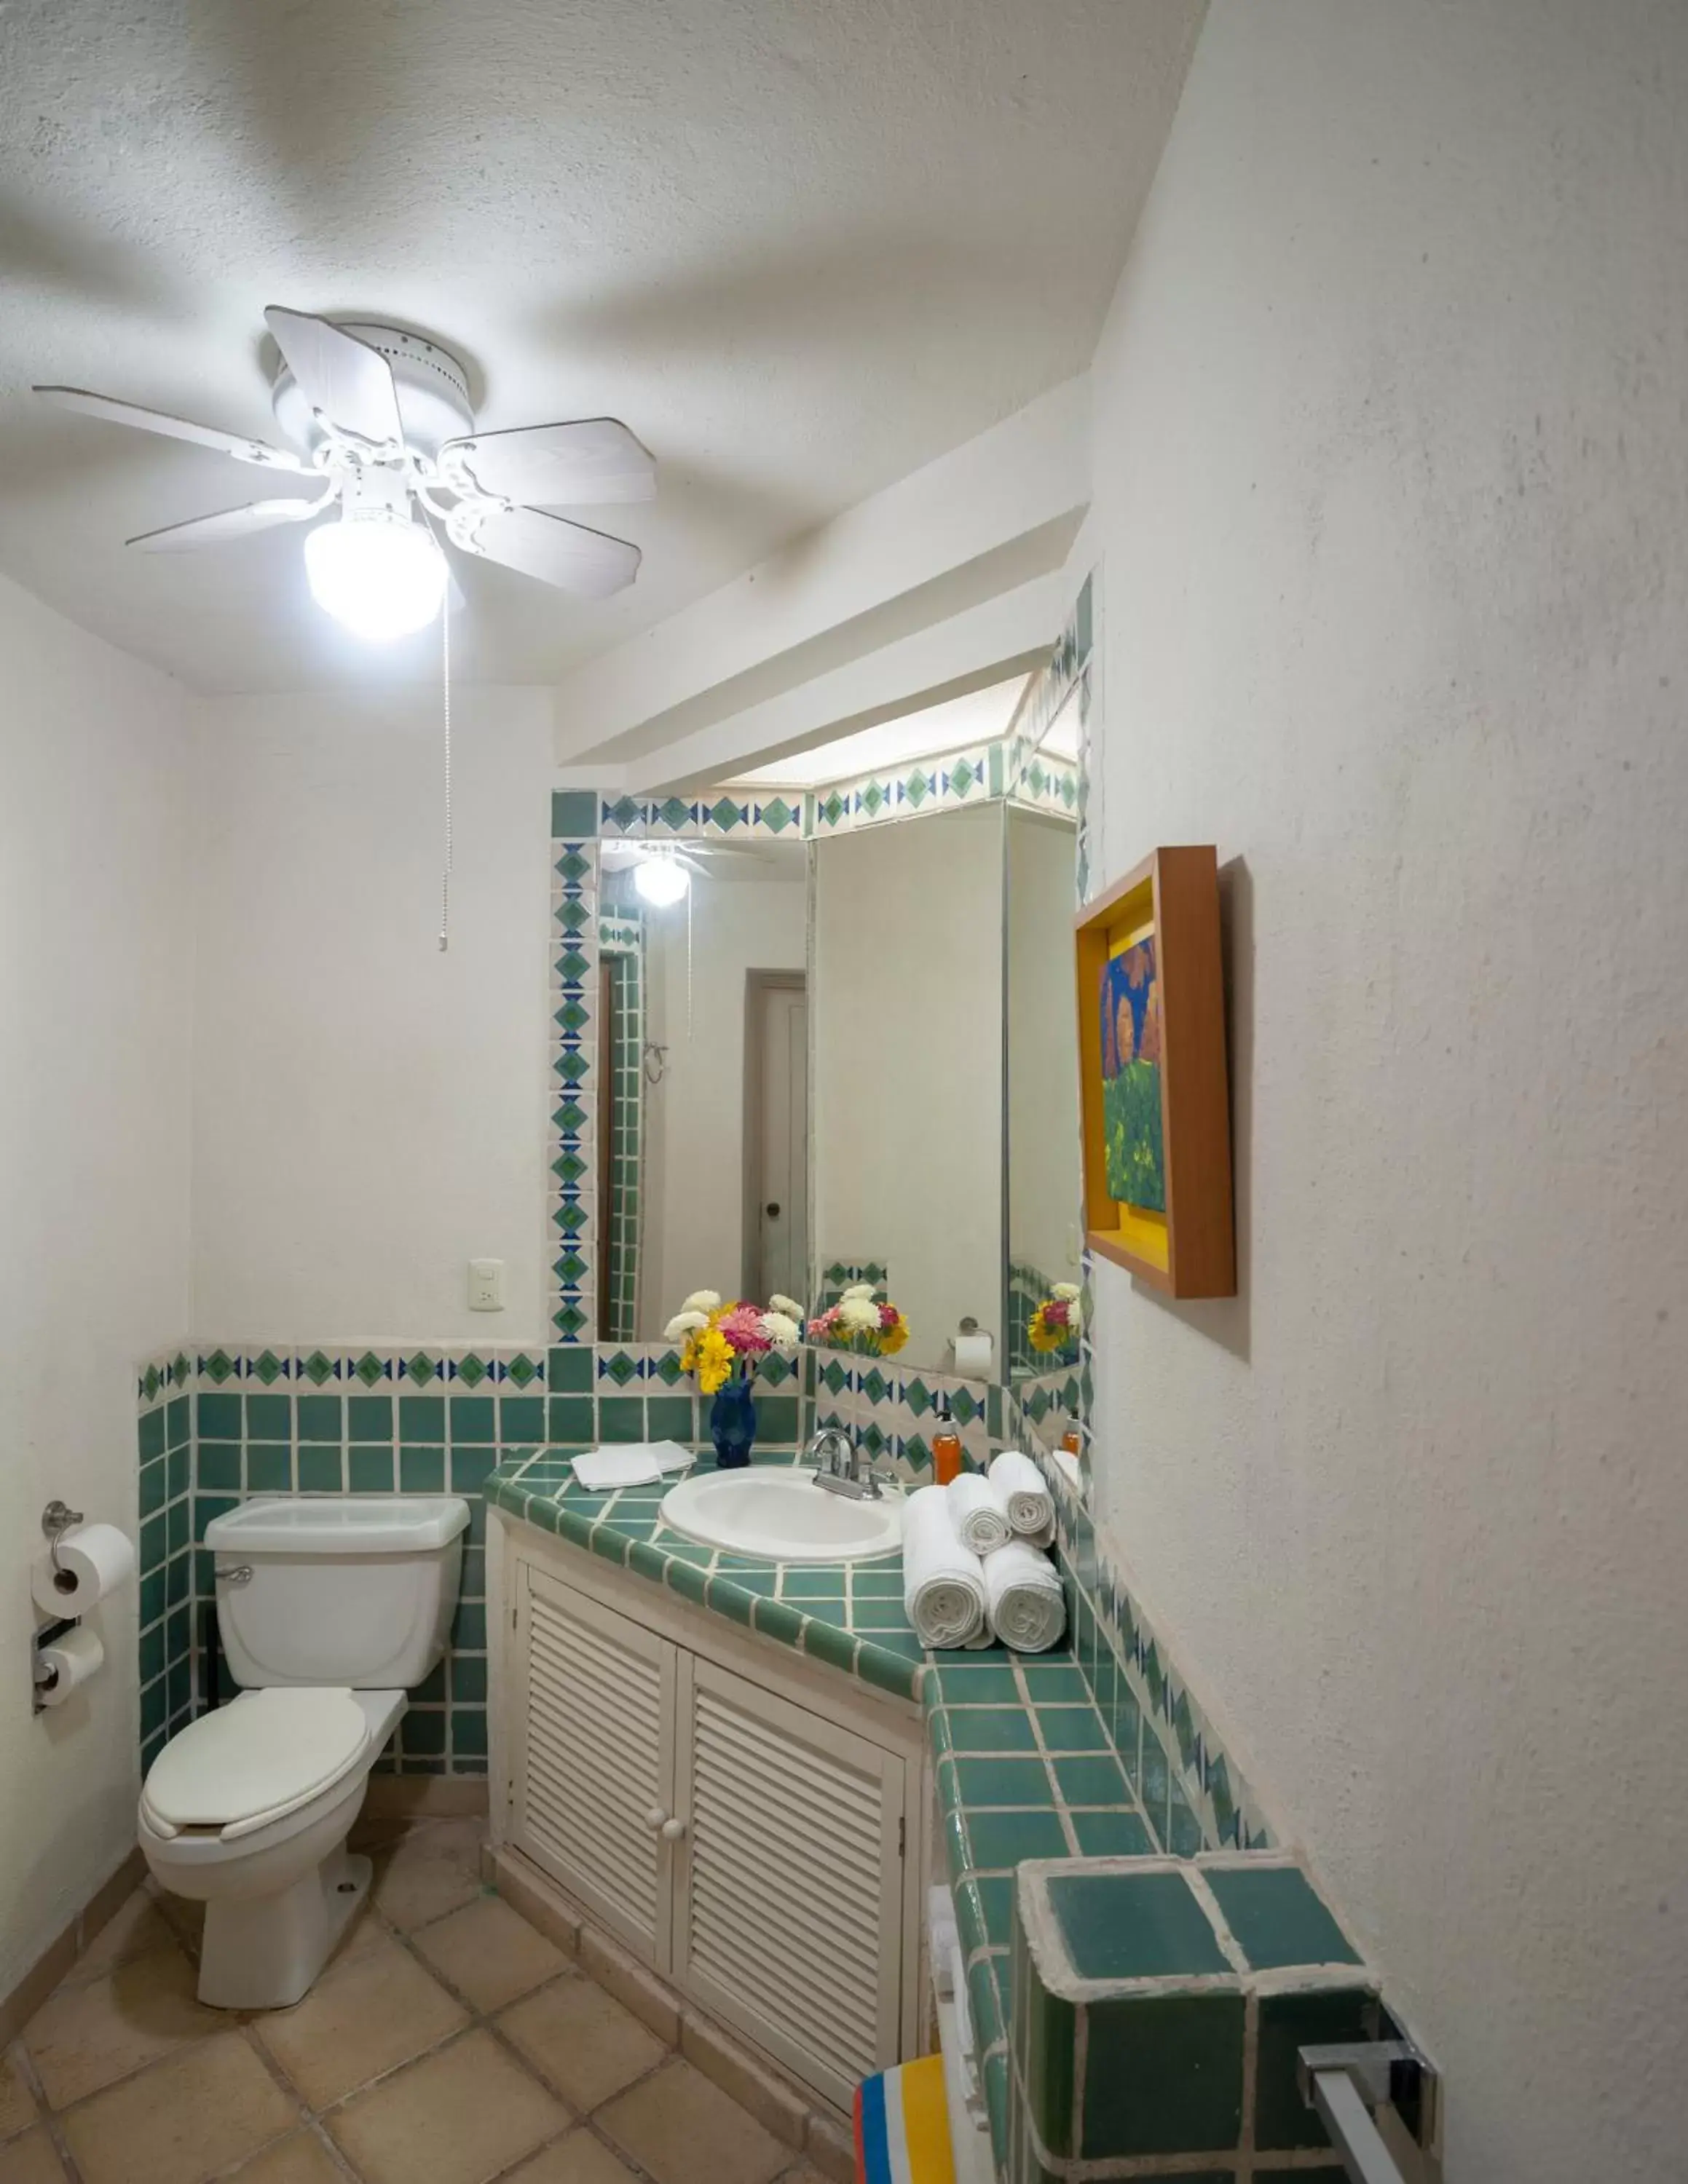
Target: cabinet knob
(655,1819)
(672,1830)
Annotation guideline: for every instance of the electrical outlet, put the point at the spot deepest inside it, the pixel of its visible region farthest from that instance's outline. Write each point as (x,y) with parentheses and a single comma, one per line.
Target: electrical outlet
(486,1284)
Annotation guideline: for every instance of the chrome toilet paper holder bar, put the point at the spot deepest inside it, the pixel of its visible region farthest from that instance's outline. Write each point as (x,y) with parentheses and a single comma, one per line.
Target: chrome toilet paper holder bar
(58,1518)
(1346,2085)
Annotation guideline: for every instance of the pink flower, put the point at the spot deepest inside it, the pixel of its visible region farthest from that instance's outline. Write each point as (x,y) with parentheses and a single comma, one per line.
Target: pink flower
(887,1319)
(742,1327)
(1057,1313)
(824,1325)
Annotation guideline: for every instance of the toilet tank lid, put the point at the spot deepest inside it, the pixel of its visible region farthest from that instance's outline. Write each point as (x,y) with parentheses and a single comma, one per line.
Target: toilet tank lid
(339,1524)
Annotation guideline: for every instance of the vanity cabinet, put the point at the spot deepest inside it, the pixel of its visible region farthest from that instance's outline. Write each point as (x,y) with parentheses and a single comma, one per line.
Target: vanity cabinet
(750,1849)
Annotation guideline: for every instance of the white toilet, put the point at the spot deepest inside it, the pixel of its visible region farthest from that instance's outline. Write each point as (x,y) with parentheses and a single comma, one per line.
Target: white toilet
(329,1610)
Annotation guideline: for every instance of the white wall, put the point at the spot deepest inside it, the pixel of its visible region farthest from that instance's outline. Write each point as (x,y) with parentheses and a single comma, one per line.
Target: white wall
(95,970)
(906,1091)
(694,1205)
(1392,495)
(369,1113)
(1042,1048)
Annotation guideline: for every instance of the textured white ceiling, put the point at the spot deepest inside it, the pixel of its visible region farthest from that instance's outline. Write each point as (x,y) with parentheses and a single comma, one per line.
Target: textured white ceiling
(800,246)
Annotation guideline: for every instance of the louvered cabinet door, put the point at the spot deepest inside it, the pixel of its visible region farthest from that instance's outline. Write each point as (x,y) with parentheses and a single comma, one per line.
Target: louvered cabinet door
(594,1745)
(789,1884)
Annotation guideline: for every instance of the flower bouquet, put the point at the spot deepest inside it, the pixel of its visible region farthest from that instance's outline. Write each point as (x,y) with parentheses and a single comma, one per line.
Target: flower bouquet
(721,1346)
(861,1322)
(1059,1321)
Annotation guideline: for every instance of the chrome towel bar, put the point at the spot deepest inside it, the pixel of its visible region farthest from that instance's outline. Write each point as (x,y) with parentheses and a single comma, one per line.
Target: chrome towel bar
(1346,2085)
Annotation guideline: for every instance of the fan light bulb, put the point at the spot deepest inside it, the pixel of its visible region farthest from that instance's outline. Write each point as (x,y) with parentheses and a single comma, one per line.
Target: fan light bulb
(377,572)
(661,880)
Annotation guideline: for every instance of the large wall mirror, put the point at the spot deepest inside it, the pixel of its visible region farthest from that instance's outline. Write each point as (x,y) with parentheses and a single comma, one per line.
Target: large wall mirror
(852,1056)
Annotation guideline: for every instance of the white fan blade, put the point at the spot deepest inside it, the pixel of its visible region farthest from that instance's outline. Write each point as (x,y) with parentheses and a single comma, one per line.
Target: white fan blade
(554,466)
(548,547)
(174,428)
(229,523)
(346,382)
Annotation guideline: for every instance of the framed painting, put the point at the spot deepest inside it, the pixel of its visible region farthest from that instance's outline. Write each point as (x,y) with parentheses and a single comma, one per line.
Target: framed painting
(1153,1091)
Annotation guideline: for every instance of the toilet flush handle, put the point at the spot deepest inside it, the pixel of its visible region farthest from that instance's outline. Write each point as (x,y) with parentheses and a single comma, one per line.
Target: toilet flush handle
(237,1573)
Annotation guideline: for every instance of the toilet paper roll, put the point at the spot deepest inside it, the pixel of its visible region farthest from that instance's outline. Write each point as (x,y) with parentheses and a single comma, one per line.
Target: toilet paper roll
(972,1356)
(91,1560)
(66,1664)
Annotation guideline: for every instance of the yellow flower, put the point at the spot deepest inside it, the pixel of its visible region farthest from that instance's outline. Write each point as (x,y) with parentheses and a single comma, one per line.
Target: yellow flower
(710,1356)
(892,1339)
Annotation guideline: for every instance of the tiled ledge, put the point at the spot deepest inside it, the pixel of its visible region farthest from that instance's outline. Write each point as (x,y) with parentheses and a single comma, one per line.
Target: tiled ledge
(1158,2007)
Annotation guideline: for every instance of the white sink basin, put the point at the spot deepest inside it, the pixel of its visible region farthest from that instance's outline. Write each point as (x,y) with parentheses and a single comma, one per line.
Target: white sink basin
(783,1517)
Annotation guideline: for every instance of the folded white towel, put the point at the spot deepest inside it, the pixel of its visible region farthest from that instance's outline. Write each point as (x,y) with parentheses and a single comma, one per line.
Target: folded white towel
(1024,1600)
(944,1583)
(631,1463)
(981,1512)
(1025,1494)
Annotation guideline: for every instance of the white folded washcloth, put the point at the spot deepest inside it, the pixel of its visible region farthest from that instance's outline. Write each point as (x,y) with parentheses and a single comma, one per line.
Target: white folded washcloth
(1026,1608)
(1025,1494)
(981,1512)
(944,1583)
(630,1463)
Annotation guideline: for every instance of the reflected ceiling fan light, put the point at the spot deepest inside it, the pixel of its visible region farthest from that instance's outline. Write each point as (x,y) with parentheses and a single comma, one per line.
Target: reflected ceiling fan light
(377,572)
(662,881)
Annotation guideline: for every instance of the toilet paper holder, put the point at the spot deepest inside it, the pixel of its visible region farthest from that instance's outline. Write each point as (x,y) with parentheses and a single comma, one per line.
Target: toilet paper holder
(56,1519)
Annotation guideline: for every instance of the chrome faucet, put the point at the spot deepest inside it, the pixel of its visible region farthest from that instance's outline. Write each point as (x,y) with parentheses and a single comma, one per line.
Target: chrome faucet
(840,1466)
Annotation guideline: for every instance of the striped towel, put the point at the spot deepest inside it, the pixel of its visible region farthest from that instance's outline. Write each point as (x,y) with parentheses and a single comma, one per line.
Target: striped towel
(903,2126)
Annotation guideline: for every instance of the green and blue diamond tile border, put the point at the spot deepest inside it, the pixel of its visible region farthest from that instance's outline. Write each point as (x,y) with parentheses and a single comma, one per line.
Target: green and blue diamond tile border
(894,1411)
(720,816)
(573,1090)
(1156,2010)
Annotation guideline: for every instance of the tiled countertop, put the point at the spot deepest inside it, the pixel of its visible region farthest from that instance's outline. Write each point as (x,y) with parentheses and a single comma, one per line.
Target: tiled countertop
(1025,1765)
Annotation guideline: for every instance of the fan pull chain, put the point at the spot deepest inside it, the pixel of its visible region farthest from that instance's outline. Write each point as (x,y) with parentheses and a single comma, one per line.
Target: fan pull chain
(445,687)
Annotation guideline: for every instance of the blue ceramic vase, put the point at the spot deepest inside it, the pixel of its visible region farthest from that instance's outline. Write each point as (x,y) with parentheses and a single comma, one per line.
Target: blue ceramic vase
(732,1422)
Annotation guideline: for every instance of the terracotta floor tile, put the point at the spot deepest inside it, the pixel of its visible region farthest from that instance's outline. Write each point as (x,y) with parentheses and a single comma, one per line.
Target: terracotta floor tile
(685,2130)
(374,2008)
(426,1873)
(488,1953)
(84,2037)
(185,1918)
(17,2102)
(30,2160)
(579,2159)
(457,2117)
(136,1928)
(581,2039)
(301,2159)
(182,2121)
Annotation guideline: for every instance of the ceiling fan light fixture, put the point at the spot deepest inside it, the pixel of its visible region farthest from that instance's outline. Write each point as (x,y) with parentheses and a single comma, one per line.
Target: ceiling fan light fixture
(378,573)
(662,881)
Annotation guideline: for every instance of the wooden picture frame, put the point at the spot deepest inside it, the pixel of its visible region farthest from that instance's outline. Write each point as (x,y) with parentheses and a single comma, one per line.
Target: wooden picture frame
(1154,940)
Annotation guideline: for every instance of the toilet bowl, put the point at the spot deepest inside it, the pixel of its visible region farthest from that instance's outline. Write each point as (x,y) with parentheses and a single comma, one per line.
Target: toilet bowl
(247,1811)
(329,1609)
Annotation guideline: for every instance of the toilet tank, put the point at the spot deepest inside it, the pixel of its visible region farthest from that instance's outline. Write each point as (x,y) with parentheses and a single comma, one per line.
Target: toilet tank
(354,1589)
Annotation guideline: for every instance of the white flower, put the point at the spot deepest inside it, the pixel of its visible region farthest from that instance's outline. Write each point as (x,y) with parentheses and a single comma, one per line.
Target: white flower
(684,1323)
(787,1306)
(781,1329)
(1065,1290)
(704,1300)
(857,1309)
(858,1290)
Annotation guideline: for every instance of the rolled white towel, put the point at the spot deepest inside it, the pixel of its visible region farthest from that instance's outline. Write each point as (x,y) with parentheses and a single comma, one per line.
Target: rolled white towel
(1023,1601)
(944,1583)
(981,1512)
(1026,1496)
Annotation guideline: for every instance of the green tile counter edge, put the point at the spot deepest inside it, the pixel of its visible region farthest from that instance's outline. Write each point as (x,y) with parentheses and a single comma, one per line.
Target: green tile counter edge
(1159,2005)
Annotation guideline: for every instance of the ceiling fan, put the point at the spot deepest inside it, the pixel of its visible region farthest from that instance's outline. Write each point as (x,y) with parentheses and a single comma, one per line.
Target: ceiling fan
(381,419)
(663,871)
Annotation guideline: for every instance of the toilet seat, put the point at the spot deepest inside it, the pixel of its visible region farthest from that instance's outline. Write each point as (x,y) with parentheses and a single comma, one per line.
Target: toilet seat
(245,1766)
